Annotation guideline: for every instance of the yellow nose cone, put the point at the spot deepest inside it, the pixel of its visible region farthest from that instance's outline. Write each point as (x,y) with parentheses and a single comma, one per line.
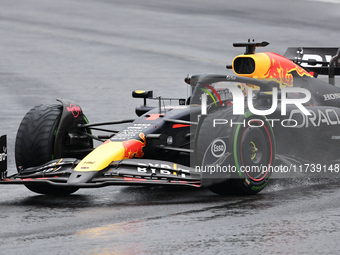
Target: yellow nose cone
(101,157)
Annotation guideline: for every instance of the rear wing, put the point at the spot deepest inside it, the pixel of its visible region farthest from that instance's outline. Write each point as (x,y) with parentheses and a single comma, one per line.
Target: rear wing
(323,61)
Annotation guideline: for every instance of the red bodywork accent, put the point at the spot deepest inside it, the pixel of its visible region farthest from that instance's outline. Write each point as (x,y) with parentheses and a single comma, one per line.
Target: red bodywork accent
(153,116)
(128,179)
(180,125)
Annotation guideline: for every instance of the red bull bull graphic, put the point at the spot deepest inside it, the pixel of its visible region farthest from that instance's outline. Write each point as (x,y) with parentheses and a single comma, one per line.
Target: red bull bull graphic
(134,148)
(281,70)
(269,66)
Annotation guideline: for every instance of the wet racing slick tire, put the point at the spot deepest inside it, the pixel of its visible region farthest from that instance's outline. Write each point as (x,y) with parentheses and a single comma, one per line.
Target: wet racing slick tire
(250,150)
(35,140)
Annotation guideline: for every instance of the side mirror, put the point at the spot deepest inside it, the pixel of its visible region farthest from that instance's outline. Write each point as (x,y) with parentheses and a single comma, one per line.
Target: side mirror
(142,94)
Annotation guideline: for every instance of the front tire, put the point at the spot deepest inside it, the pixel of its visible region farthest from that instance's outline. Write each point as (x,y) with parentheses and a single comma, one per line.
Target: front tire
(35,142)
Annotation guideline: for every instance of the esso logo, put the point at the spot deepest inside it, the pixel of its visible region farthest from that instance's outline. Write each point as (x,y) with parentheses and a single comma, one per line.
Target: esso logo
(218,148)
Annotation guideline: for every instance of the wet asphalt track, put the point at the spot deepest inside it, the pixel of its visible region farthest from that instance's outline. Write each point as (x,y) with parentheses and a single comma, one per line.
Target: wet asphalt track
(96,53)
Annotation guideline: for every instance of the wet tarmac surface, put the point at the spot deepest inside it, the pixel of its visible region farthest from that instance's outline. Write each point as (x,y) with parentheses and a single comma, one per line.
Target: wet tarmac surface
(96,53)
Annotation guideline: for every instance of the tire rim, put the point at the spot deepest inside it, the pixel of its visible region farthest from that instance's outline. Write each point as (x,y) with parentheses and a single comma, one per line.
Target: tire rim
(256,151)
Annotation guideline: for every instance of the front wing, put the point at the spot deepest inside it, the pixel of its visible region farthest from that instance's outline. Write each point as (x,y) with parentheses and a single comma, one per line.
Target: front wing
(126,172)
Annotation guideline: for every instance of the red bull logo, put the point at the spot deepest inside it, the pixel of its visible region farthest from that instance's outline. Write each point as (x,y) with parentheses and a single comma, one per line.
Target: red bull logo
(134,148)
(281,70)
(74,109)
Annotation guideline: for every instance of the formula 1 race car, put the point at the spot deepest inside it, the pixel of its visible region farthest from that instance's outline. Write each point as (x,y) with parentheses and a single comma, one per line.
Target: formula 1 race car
(228,135)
